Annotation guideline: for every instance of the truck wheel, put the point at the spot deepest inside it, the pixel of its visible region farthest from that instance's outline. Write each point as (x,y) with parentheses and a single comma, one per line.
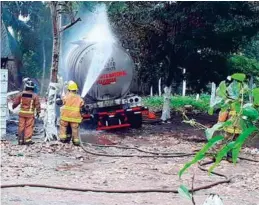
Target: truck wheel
(88,125)
(135,120)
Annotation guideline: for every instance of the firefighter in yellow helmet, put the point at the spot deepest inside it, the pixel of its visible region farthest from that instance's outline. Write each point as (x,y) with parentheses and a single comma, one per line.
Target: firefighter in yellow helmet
(232,131)
(71,104)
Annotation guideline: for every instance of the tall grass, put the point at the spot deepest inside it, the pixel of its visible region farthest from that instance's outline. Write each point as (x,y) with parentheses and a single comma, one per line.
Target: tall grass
(176,102)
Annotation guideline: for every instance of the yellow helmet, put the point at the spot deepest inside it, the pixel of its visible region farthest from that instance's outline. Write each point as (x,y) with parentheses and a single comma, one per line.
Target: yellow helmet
(72,86)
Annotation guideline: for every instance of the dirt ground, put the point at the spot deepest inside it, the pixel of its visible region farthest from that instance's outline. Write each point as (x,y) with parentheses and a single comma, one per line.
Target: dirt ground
(57,164)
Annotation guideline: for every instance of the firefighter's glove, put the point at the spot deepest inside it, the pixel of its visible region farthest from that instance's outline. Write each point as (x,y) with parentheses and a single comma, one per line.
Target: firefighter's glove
(59,102)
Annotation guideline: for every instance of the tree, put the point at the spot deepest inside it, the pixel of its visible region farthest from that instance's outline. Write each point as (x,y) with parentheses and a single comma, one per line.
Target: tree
(31,34)
(166,36)
(251,49)
(57,9)
(243,64)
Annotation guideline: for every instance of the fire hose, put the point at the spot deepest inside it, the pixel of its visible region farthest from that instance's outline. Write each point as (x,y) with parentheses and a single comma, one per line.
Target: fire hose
(227,180)
(201,167)
(141,156)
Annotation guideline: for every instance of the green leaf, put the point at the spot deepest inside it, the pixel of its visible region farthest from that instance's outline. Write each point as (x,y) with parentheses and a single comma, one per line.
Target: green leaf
(236,106)
(239,76)
(184,192)
(222,90)
(216,101)
(240,141)
(227,123)
(201,154)
(222,153)
(250,112)
(234,89)
(256,96)
(210,131)
(210,111)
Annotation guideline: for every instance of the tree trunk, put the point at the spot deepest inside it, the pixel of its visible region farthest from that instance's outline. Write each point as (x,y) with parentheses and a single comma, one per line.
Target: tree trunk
(50,121)
(56,41)
(50,115)
(43,68)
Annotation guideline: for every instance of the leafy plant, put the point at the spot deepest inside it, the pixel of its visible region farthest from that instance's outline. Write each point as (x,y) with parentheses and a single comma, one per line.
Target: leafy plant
(230,96)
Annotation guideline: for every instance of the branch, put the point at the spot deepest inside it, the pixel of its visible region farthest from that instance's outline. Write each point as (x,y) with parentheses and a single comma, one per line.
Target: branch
(69,25)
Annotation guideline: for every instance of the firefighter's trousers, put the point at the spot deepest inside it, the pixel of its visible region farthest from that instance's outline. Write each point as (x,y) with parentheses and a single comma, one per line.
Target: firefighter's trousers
(63,131)
(26,125)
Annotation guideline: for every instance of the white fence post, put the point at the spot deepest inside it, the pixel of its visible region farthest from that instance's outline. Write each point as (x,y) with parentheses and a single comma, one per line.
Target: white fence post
(151,91)
(159,87)
(184,83)
(213,93)
(197,97)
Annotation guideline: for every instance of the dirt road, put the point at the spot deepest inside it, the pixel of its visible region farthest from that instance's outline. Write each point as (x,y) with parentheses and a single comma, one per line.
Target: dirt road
(65,165)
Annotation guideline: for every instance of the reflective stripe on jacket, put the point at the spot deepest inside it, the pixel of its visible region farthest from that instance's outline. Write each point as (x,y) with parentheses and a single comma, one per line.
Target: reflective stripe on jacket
(29,101)
(70,111)
(234,128)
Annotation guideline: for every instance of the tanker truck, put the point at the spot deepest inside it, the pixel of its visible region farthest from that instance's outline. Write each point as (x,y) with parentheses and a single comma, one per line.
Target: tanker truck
(110,102)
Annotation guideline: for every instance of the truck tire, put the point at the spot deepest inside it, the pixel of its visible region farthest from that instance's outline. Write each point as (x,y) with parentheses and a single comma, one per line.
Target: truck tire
(135,120)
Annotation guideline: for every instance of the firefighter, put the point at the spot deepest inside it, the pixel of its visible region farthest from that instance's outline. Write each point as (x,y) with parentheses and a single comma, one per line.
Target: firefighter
(72,104)
(29,102)
(232,131)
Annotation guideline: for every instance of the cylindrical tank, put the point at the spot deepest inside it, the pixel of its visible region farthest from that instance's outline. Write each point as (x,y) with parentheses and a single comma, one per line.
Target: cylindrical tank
(112,75)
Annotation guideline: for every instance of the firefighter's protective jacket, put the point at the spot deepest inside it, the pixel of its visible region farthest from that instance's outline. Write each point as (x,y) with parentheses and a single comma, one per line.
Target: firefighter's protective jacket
(235,128)
(29,103)
(70,111)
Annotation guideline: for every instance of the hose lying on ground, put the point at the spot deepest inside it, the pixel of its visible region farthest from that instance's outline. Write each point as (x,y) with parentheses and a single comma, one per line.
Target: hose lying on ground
(138,149)
(113,191)
(141,156)
(164,154)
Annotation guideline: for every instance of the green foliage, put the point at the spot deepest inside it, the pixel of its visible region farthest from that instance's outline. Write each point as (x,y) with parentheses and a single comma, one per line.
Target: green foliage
(240,63)
(31,35)
(250,112)
(222,153)
(184,192)
(240,141)
(164,37)
(177,102)
(30,66)
(222,90)
(210,131)
(201,154)
(256,96)
(231,98)
(238,76)
(251,49)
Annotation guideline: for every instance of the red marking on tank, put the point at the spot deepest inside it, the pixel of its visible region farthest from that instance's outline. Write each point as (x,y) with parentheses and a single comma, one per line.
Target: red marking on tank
(110,78)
